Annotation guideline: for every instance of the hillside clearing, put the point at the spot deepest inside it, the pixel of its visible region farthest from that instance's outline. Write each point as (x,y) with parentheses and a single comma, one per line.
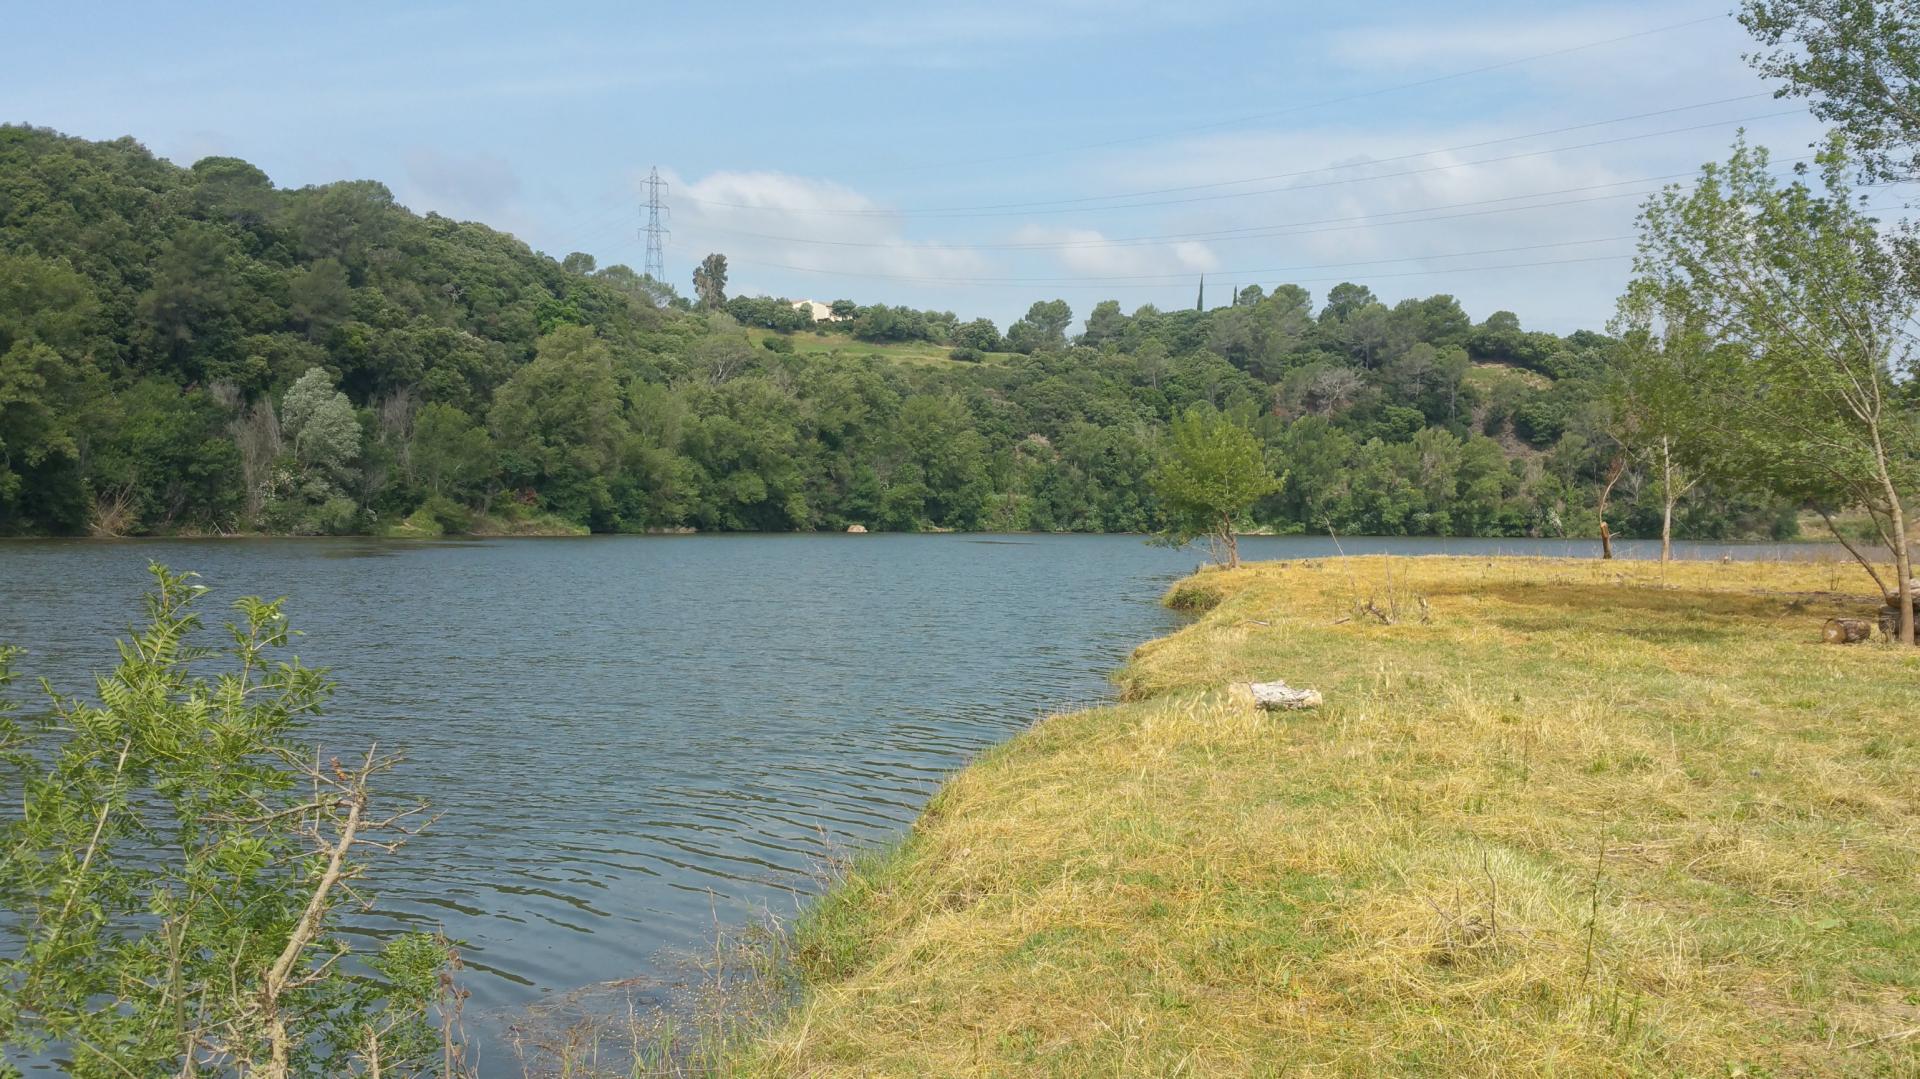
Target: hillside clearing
(831,344)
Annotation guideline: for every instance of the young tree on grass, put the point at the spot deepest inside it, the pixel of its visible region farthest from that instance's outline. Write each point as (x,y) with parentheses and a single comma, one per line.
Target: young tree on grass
(1812,319)
(1655,405)
(1210,472)
(172,869)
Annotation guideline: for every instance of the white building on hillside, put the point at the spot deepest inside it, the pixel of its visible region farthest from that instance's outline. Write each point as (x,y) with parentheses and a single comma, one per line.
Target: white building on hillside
(821,312)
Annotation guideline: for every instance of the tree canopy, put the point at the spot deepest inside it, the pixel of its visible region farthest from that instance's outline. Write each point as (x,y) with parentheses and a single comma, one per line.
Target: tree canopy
(197,350)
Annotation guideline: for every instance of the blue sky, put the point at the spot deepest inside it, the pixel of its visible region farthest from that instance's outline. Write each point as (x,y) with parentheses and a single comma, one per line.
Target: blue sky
(963,156)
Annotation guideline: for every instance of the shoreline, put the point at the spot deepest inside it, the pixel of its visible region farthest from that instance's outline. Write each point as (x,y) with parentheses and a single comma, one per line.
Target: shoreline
(1483,854)
(580,532)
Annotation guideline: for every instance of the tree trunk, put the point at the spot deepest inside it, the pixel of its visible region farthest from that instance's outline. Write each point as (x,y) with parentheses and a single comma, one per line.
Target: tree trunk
(1854,551)
(1667,499)
(1230,541)
(1903,569)
(1614,471)
(1902,560)
(1846,630)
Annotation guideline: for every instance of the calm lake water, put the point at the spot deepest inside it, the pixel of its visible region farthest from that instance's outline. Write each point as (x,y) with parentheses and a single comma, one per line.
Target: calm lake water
(633,741)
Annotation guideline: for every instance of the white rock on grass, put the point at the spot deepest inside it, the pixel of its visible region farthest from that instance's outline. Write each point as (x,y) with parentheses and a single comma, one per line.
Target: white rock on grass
(1278,696)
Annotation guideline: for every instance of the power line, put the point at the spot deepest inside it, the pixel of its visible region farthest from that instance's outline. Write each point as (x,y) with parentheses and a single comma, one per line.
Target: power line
(1162,285)
(1282,230)
(1276,190)
(1277,230)
(1163,281)
(1246,232)
(1097,280)
(1341,224)
(1319,103)
(1038,203)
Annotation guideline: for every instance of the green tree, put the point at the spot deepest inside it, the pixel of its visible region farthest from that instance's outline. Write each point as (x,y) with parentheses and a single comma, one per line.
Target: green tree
(1105,324)
(320,298)
(1811,311)
(1344,300)
(450,454)
(46,400)
(710,281)
(319,421)
(1857,63)
(231,190)
(171,460)
(189,311)
(980,334)
(51,394)
(1042,329)
(558,423)
(1210,472)
(1656,406)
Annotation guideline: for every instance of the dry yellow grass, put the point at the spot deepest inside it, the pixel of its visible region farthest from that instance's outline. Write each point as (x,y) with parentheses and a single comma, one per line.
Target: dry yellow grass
(1590,819)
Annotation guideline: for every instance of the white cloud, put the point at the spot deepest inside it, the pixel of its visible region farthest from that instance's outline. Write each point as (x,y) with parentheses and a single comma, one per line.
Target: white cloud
(1378,216)
(815,236)
(1092,253)
(1625,52)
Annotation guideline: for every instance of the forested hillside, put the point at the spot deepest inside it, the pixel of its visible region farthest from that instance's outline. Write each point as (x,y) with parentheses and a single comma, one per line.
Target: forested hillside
(195,350)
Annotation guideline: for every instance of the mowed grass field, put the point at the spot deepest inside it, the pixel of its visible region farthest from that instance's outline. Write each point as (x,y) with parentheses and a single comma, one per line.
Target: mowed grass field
(1568,818)
(808,343)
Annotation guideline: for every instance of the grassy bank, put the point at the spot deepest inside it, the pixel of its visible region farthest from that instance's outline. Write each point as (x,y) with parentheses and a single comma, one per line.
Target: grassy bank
(1585,818)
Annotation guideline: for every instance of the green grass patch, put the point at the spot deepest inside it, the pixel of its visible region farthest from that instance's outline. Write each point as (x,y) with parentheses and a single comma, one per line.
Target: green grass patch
(840,345)
(1583,819)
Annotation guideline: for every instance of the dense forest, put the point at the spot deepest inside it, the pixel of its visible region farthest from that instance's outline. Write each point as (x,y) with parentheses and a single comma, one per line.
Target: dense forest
(193,350)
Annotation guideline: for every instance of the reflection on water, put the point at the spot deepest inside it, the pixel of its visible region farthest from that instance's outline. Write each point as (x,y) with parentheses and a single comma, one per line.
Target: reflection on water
(629,739)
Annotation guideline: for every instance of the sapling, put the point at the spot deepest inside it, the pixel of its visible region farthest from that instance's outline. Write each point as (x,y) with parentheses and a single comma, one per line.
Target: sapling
(173,865)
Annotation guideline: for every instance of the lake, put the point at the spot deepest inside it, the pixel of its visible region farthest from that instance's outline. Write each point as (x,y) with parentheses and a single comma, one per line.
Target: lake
(635,740)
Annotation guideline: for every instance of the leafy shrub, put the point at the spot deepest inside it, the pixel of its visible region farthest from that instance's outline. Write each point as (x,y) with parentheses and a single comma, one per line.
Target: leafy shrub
(967,355)
(169,879)
(778,344)
(417,525)
(451,516)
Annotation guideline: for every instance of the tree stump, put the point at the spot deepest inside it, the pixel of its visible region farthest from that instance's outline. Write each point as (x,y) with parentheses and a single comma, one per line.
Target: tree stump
(1846,630)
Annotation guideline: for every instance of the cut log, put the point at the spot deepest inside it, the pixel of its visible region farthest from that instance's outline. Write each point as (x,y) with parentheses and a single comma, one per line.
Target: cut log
(1278,696)
(1846,630)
